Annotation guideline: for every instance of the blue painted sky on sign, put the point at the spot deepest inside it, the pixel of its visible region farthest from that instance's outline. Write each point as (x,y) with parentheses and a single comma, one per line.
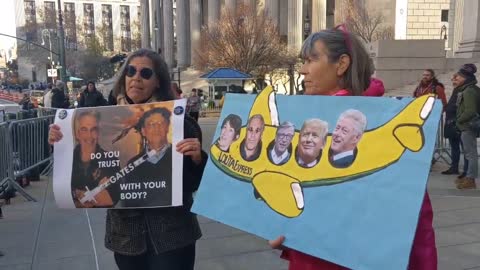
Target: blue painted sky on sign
(368,223)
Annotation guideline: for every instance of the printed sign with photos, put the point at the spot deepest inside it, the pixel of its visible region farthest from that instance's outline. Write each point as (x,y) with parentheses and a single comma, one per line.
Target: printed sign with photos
(119,156)
(342,178)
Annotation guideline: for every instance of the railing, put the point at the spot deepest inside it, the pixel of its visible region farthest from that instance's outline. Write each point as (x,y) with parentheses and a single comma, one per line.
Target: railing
(5,158)
(11,95)
(210,111)
(23,147)
(441,148)
(45,111)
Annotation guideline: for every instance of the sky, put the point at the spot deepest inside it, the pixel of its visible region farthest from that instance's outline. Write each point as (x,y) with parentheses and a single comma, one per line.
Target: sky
(7,25)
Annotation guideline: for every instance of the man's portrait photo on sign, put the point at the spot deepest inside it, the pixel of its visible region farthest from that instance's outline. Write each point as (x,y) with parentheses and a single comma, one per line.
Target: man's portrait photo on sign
(347,134)
(311,142)
(148,184)
(280,150)
(92,165)
(230,131)
(251,146)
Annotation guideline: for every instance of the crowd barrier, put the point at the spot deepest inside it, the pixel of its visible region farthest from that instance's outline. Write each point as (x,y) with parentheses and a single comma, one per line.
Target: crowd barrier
(11,96)
(210,111)
(45,111)
(23,148)
(5,158)
(442,149)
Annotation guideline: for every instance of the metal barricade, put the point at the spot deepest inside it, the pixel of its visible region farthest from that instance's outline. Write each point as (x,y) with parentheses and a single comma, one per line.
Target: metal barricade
(41,112)
(28,148)
(5,159)
(442,151)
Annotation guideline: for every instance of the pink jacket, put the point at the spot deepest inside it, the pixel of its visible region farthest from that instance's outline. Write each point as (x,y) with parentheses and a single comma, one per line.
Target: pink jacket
(376,88)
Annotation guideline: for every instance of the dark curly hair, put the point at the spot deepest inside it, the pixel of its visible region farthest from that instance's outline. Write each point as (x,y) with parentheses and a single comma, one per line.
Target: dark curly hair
(160,69)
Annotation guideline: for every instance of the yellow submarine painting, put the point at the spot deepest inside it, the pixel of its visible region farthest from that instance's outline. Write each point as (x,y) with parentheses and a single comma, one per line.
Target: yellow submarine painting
(280,186)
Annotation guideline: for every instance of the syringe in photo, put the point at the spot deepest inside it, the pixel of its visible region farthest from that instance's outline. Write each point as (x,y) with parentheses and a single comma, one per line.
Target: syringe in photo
(89,195)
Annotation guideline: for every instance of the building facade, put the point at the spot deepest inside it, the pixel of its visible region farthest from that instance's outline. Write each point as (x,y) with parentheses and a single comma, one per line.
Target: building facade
(173,27)
(110,20)
(109,26)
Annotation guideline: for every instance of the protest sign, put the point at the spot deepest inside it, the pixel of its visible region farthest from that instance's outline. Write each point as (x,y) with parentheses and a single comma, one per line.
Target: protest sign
(343,178)
(119,156)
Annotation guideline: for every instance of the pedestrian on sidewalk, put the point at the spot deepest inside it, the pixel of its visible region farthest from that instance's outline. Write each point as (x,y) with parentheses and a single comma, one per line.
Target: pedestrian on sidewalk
(47,97)
(337,64)
(430,85)
(468,108)
(91,97)
(194,104)
(453,134)
(155,238)
(59,100)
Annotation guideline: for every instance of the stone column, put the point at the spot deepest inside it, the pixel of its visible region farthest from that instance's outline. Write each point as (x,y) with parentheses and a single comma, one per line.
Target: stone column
(272,8)
(457,25)
(470,44)
(195,27)
(157,22)
(319,15)
(145,24)
(183,34)
(168,33)
(295,21)
(253,5)
(331,13)
(230,5)
(213,11)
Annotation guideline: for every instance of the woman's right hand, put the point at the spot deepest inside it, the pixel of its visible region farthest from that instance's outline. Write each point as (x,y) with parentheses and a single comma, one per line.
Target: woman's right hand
(277,243)
(54,134)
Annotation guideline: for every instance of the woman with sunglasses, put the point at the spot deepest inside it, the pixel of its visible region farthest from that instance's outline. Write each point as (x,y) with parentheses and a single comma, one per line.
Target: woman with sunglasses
(154,238)
(337,64)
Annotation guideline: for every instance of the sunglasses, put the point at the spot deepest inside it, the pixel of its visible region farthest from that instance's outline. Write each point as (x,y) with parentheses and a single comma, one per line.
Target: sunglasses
(145,73)
(346,36)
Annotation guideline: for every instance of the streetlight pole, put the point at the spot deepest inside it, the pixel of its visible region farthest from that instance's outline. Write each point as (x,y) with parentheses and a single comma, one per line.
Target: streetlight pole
(52,63)
(61,40)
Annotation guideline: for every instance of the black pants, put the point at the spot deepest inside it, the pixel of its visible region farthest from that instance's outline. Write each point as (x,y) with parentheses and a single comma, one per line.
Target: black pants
(178,259)
(194,115)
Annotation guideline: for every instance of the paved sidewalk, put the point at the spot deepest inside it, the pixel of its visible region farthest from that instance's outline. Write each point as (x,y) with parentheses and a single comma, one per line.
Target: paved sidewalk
(40,236)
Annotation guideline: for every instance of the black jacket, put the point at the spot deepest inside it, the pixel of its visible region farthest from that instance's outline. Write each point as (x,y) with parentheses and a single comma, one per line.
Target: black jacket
(91,99)
(451,108)
(143,172)
(170,228)
(59,100)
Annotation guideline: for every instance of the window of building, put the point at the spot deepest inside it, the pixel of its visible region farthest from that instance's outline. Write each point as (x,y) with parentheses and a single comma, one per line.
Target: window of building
(70,26)
(107,27)
(88,21)
(444,15)
(126,38)
(30,21)
(50,17)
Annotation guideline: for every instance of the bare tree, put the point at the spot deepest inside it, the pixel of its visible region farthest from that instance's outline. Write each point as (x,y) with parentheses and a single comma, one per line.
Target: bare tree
(368,25)
(136,35)
(245,40)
